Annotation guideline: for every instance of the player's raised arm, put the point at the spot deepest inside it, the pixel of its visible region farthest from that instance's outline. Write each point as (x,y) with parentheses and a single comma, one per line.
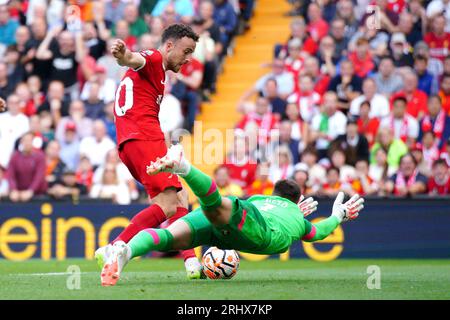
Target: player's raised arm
(125,57)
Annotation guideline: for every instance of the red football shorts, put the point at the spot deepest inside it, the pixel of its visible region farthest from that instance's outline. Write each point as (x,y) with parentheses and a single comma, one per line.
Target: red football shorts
(137,154)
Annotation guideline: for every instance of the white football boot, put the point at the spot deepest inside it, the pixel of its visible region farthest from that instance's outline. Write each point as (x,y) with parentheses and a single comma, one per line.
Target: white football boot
(194,269)
(102,255)
(118,258)
(173,162)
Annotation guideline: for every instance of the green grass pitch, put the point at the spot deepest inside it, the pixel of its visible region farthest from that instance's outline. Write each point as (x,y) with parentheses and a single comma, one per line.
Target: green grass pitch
(269,279)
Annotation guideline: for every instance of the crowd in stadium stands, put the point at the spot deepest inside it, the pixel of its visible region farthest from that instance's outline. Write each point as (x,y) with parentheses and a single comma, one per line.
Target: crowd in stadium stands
(57,137)
(357,97)
(360,95)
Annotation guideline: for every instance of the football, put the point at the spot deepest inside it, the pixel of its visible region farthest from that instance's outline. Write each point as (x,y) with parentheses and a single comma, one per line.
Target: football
(220,264)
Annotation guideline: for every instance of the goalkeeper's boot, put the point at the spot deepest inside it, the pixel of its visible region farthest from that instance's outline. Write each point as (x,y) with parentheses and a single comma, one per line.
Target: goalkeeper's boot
(173,162)
(194,269)
(102,254)
(119,257)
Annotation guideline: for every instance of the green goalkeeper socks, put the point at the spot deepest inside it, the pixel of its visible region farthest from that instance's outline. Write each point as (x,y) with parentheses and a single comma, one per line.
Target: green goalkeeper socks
(150,240)
(204,188)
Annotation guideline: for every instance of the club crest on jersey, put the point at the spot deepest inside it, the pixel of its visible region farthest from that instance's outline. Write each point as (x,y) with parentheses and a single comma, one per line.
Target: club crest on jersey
(147,52)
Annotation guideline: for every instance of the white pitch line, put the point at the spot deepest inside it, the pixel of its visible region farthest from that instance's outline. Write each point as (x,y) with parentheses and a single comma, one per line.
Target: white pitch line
(46,274)
(51,274)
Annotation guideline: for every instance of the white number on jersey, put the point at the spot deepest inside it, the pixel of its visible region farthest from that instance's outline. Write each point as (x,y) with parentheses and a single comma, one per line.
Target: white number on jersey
(267,207)
(128,103)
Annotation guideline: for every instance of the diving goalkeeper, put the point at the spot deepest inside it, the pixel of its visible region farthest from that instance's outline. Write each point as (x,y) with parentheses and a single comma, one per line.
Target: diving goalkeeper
(259,225)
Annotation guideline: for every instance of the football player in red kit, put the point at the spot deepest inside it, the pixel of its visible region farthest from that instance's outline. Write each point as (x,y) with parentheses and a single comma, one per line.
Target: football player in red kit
(139,136)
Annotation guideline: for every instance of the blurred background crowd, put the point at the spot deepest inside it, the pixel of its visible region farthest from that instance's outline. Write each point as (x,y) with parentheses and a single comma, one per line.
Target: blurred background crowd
(357,97)
(57,137)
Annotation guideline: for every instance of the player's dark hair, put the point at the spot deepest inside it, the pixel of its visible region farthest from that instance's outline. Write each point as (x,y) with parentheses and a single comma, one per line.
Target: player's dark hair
(287,189)
(178,31)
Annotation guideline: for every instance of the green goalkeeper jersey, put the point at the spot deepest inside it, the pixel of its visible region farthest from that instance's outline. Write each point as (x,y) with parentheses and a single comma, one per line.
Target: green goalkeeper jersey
(259,225)
(284,220)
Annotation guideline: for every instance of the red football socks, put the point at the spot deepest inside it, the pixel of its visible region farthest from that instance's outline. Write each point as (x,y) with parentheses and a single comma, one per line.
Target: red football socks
(150,217)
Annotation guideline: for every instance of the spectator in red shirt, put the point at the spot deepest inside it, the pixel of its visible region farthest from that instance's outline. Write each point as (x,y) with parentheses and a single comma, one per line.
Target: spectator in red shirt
(416,99)
(317,27)
(298,31)
(332,186)
(439,182)
(361,58)
(240,165)
(367,126)
(437,39)
(264,119)
(294,61)
(321,80)
(27,103)
(307,100)
(26,171)
(396,6)
(85,173)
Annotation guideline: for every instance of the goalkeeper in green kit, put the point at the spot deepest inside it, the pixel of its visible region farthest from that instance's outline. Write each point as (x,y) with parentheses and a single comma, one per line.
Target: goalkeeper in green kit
(258,225)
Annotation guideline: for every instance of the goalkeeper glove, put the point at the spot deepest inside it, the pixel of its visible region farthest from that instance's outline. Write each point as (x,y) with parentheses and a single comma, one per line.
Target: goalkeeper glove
(349,210)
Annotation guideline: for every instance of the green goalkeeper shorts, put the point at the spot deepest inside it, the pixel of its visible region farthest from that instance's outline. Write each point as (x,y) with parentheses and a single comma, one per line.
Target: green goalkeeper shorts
(247,230)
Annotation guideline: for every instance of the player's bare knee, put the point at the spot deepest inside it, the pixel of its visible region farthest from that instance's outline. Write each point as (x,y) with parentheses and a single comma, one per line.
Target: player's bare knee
(168,201)
(181,233)
(169,209)
(182,197)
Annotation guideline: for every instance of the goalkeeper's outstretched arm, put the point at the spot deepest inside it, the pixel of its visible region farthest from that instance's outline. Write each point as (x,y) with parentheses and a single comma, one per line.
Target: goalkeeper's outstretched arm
(341,212)
(320,230)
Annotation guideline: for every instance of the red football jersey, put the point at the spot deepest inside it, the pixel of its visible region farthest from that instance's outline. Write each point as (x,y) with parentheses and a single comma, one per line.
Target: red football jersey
(138,99)
(243,175)
(438,189)
(439,46)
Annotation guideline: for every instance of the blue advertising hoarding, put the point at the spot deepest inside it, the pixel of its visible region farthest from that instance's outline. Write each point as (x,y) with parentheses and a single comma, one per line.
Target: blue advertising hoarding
(385,229)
